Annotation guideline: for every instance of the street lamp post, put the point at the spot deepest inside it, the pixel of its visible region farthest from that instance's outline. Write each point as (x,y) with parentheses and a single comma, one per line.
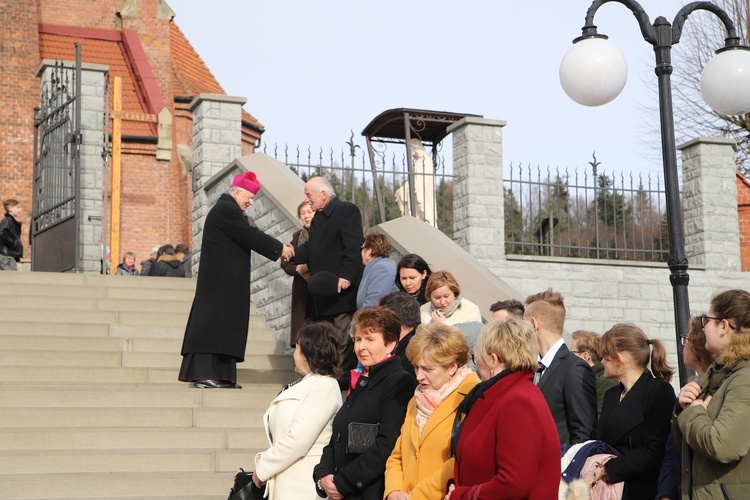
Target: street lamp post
(593,72)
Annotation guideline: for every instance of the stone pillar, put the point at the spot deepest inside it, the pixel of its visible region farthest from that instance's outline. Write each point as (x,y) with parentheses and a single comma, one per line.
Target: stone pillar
(478,220)
(217,140)
(92,168)
(709,191)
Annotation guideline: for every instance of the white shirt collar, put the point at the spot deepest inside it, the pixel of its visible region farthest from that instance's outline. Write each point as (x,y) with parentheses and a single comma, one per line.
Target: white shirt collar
(550,356)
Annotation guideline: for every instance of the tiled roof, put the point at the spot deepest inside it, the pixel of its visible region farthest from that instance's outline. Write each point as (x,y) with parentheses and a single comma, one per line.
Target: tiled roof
(191,75)
(99,51)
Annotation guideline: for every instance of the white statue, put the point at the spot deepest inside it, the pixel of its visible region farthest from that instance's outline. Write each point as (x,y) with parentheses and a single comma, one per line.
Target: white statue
(424,186)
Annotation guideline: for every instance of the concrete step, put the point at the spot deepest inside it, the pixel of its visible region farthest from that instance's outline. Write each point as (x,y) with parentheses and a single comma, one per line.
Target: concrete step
(174,345)
(245,376)
(101,417)
(59,316)
(88,461)
(61,358)
(123,438)
(180,396)
(36,374)
(97,281)
(43,343)
(49,328)
(145,305)
(32,289)
(174,359)
(149,294)
(228,417)
(192,485)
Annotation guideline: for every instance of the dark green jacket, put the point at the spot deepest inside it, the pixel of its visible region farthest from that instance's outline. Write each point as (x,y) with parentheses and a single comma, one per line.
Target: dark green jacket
(716,440)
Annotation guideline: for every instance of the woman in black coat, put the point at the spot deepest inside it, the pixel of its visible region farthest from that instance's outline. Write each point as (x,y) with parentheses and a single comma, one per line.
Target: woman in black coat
(168,264)
(636,414)
(379,395)
(300,272)
(216,331)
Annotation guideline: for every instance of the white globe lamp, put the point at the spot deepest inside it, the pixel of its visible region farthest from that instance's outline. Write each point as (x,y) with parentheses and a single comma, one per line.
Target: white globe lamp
(593,72)
(725,82)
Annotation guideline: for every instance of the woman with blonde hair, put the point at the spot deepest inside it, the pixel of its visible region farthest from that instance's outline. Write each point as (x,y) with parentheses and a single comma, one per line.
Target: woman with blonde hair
(714,411)
(421,465)
(636,413)
(505,439)
(445,303)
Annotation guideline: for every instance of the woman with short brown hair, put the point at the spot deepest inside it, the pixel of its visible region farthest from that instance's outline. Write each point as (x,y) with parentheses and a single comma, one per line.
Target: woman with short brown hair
(366,428)
(378,278)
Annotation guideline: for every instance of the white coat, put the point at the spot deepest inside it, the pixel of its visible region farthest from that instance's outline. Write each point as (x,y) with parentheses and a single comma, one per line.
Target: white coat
(298,426)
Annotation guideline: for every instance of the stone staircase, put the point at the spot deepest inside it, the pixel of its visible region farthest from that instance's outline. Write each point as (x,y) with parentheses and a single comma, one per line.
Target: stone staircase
(90,405)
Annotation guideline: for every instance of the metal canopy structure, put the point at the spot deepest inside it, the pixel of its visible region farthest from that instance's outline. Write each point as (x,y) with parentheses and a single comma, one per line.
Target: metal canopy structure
(399,126)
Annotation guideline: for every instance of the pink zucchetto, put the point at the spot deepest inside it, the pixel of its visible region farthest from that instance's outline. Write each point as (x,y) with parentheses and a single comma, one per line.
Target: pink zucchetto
(247,181)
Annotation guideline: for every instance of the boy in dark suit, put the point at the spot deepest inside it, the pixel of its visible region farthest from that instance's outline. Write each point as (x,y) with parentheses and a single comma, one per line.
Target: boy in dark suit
(566,381)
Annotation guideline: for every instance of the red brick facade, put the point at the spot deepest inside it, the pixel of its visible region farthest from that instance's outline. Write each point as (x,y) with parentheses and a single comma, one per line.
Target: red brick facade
(159,69)
(743,215)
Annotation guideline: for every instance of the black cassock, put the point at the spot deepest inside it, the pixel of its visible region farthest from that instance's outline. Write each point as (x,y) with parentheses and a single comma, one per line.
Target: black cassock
(219,317)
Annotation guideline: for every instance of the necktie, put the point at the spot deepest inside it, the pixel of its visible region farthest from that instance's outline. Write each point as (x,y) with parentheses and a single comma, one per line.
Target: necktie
(538,373)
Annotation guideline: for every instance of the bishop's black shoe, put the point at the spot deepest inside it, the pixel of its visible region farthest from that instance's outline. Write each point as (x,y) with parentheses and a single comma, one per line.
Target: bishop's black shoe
(215,384)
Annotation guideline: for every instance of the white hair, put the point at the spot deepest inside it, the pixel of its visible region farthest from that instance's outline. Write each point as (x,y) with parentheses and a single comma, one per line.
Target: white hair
(323,185)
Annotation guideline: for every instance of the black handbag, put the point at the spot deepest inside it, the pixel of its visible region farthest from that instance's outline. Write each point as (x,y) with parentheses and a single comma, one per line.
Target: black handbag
(361,436)
(244,488)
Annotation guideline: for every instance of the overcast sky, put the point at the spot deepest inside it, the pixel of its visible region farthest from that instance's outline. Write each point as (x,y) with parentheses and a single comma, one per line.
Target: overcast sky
(313,70)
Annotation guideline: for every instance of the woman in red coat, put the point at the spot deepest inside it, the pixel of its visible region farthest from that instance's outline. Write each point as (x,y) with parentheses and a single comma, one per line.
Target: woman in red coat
(507,445)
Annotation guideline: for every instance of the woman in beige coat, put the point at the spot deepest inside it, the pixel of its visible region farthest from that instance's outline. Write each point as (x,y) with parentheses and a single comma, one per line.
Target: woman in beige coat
(298,421)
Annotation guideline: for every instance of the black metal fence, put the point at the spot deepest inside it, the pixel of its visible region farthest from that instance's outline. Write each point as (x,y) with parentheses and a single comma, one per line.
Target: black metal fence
(548,212)
(353,179)
(590,214)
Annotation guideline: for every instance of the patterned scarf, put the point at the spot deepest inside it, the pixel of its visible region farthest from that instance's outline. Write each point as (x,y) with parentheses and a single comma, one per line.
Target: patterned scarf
(427,400)
(304,236)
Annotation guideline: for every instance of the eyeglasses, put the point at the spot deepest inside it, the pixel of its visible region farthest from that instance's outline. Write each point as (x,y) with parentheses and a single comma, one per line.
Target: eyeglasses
(706,317)
(577,352)
(684,340)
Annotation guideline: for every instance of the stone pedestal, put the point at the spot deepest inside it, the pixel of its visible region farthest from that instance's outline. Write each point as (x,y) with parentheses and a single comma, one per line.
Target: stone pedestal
(709,187)
(217,141)
(478,187)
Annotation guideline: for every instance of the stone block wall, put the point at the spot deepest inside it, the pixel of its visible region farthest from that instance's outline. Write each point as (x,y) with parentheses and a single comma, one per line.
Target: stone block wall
(270,286)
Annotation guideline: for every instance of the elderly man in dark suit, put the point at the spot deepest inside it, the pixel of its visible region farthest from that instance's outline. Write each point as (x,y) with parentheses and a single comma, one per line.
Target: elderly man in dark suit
(566,381)
(216,331)
(333,253)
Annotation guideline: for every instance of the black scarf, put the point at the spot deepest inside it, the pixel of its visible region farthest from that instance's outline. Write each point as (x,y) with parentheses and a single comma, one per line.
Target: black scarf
(465,407)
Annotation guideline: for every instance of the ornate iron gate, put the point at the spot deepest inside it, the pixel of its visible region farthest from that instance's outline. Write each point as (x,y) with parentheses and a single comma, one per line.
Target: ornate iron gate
(57,140)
